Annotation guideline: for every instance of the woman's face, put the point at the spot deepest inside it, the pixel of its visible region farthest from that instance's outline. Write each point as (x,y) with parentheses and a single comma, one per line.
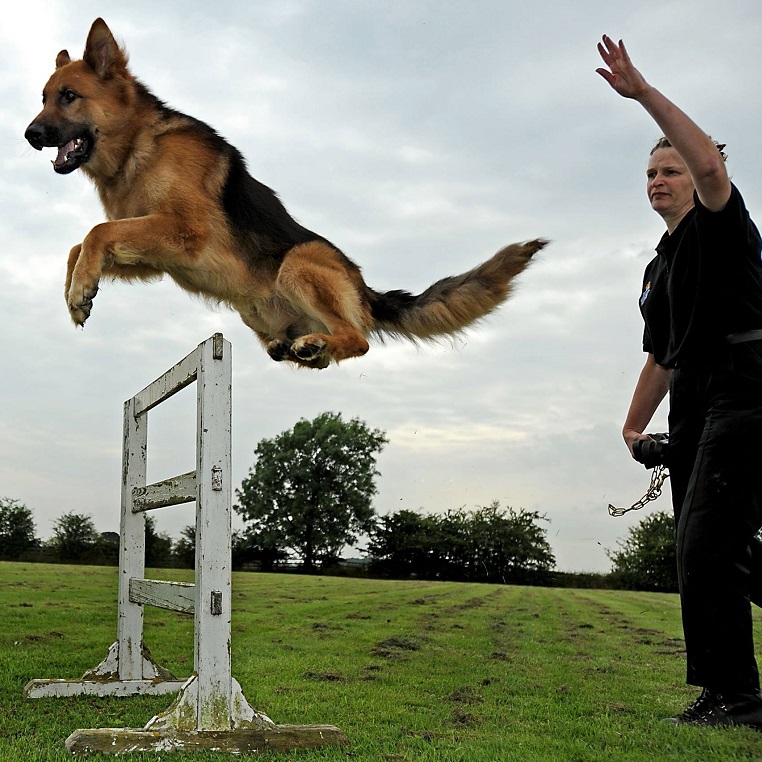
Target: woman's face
(670,186)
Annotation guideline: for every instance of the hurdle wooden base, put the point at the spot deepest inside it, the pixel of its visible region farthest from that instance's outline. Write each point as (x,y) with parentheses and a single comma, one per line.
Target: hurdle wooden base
(35,689)
(104,680)
(277,738)
(237,728)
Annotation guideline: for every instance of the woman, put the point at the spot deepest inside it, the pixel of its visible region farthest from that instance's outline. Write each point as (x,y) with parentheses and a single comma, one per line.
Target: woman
(702,307)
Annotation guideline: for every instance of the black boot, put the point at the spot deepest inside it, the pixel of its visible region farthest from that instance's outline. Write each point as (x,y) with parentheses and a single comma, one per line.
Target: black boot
(713,708)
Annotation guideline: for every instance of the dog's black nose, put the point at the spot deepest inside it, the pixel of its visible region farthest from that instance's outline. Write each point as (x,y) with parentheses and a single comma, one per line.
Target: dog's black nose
(35,134)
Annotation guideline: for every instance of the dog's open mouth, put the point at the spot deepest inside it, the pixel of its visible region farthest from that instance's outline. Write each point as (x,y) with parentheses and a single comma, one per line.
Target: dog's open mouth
(73,154)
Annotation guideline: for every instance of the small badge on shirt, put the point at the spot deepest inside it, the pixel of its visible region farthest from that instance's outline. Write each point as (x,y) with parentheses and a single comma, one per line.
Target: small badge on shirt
(645,293)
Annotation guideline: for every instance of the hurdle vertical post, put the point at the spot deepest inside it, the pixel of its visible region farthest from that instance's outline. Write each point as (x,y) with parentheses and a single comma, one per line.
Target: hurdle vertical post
(131,545)
(213,543)
(210,711)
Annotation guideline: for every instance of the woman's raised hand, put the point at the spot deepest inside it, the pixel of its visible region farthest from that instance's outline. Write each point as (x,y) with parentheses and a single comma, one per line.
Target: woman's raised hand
(621,74)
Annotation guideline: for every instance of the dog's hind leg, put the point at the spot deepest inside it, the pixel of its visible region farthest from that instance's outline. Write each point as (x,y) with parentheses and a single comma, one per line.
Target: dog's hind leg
(319,283)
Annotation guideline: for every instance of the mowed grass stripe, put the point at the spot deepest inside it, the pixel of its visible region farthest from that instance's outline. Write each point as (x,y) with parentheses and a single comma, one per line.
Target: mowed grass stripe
(409,670)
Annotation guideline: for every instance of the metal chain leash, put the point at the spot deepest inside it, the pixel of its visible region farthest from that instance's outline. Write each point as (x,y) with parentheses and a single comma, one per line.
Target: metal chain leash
(658,476)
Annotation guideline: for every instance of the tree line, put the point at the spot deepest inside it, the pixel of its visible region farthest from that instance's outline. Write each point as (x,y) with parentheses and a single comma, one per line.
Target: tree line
(486,545)
(308,497)
(75,540)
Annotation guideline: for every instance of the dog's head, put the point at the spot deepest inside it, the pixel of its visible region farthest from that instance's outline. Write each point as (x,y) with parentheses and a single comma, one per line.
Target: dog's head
(75,114)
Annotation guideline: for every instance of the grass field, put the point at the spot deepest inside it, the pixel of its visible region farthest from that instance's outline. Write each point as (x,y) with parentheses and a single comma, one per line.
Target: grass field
(408,670)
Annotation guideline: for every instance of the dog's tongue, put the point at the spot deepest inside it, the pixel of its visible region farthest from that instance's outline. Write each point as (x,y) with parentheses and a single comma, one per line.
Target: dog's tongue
(62,153)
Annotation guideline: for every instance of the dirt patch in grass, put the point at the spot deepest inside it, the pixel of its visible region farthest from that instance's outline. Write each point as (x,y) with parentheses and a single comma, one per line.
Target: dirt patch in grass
(403,643)
(425,600)
(465,695)
(429,736)
(670,647)
(463,718)
(324,676)
(464,699)
(324,627)
(38,639)
(614,708)
(396,647)
(370,672)
(471,603)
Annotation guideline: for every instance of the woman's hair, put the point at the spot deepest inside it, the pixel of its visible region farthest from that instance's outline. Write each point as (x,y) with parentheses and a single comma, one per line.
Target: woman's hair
(664,143)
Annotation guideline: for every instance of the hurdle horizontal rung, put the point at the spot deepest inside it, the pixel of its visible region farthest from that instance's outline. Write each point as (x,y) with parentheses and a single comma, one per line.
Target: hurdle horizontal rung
(173,491)
(174,596)
(174,380)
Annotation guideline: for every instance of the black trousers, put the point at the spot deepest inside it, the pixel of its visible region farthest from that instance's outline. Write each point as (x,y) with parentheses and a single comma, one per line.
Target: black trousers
(715,454)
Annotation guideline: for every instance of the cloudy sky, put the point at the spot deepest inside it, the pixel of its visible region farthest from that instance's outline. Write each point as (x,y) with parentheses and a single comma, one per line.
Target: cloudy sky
(419,136)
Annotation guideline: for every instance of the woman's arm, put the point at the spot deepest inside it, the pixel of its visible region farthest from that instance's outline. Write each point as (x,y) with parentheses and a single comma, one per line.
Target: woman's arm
(652,387)
(696,148)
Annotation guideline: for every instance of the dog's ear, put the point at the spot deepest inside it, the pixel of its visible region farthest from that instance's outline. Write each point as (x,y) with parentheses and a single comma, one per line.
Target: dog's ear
(62,59)
(102,52)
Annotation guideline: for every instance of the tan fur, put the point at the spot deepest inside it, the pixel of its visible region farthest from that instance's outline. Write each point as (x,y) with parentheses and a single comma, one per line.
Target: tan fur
(162,178)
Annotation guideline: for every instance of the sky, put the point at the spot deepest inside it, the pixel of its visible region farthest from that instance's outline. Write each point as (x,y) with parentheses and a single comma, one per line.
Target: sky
(419,137)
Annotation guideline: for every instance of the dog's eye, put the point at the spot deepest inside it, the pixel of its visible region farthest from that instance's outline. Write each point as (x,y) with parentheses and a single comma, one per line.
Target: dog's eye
(69,96)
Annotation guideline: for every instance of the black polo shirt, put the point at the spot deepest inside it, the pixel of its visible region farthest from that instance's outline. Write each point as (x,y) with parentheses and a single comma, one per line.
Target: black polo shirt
(704,283)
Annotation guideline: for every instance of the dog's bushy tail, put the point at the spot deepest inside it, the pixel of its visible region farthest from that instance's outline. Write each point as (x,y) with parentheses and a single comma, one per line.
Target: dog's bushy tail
(452,304)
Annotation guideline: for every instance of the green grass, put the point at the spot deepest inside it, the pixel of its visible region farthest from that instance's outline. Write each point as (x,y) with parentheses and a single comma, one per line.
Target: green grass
(410,671)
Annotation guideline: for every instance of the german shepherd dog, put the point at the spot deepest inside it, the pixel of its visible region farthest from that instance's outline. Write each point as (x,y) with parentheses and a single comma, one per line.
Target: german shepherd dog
(179,200)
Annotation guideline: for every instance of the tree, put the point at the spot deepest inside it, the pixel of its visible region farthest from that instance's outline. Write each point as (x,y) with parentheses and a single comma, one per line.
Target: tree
(401,545)
(74,536)
(486,545)
(106,549)
(185,548)
(508,546)
(17,530)
(311,488)
(158,545)
(647,559)
(256,547)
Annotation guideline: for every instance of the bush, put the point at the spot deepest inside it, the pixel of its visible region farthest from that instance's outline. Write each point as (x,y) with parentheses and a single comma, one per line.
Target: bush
(647,559)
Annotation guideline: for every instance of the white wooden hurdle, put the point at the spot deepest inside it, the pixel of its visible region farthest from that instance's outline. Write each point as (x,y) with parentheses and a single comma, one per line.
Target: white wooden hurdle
(210,711)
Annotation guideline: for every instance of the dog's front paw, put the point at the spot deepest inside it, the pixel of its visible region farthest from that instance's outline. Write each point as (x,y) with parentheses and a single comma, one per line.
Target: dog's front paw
(279,350)
(80,302)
